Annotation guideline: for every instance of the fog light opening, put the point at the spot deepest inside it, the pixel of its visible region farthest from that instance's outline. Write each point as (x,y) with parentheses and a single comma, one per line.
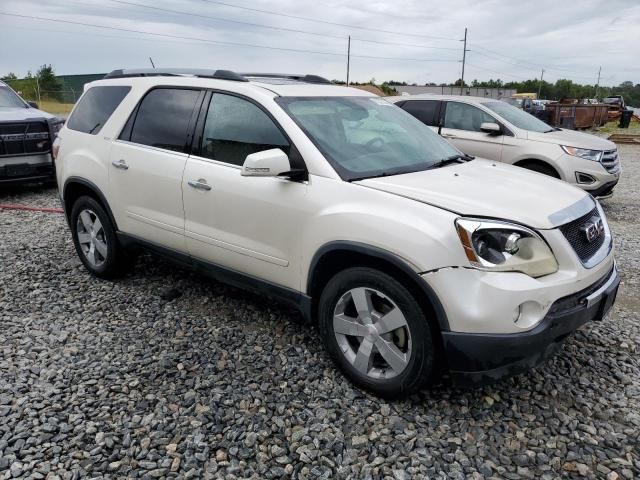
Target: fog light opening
(516,314)
(584,178)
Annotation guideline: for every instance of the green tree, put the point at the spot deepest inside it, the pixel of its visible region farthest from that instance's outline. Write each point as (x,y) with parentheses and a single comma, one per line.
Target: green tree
(48,83)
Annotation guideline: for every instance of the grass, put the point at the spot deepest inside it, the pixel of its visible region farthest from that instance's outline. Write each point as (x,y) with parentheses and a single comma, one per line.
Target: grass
(55,108)
(612,127)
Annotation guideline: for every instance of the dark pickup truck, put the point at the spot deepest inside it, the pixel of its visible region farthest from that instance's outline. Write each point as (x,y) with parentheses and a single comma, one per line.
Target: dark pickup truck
(26,138)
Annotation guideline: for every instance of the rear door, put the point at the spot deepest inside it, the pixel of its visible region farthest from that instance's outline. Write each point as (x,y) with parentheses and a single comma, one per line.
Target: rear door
(146,166)
(461,127)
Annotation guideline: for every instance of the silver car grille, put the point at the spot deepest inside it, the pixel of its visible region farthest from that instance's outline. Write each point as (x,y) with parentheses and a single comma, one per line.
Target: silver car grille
(610,161)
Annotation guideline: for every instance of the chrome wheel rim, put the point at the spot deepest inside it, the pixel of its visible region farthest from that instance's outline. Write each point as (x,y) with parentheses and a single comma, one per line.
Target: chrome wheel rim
(372,333)
(92,237)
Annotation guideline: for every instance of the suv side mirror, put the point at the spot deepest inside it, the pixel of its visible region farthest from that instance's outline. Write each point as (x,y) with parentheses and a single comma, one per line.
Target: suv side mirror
(491,128)
(268,163)
(33,105)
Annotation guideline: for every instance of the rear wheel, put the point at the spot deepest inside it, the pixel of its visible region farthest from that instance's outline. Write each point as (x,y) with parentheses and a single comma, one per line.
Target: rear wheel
(95,238)
(376,332)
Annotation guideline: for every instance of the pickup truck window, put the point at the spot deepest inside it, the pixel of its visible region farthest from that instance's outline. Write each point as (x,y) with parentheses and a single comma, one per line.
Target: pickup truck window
(8,99)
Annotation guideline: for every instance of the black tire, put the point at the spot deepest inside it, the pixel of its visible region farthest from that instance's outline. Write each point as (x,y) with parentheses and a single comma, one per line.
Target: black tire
(420,365)
(540,168)
(110,265)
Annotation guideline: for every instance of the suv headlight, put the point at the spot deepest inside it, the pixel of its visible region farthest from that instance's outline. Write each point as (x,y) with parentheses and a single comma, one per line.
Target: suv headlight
(504,247)
(585,153)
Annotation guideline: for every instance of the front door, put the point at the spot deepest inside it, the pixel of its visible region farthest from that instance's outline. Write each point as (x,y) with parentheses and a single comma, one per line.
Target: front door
(146,167)
(461,127)
(248,224)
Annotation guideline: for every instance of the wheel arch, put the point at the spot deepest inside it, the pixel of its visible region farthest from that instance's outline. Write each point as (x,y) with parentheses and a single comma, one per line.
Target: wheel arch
(537,161)
(335,256)
(75,187)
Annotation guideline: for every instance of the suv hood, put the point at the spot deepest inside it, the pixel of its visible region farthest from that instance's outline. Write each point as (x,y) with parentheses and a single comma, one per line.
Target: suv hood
(572,138)
(488,189)
(19,114)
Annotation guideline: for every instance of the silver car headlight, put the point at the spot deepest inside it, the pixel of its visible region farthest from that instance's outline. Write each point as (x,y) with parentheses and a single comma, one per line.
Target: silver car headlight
(504,247)
(585,153)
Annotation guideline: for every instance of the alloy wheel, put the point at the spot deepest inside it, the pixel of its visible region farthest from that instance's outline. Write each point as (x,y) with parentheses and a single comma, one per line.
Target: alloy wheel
(372,333)
(92,237)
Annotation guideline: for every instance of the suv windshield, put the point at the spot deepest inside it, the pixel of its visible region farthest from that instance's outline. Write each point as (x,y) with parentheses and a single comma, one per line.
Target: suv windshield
(8,99)
(366,137)
(518,118)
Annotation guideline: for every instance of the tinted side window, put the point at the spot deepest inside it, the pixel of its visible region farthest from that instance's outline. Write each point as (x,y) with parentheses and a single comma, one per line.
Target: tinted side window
(235,128)
(163,118)
(95,108)
(424,110)
(462,116)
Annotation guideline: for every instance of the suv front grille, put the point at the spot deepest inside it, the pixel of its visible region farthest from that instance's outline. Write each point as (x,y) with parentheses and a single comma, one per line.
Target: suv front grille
(577,238)
(610,160)
(24,138)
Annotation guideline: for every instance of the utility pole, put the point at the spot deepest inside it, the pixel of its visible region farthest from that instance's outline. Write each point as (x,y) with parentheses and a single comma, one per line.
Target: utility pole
(464,58)
(348,57)
(598,83)
(151,60)
(540,85)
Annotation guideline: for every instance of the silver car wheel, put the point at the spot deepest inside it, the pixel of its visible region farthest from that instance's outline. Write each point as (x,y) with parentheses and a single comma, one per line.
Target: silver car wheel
(92,237)
(372,333)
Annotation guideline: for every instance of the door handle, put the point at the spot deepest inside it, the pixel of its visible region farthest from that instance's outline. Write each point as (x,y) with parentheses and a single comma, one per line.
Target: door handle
(121,164)
(448,135)
(200,184)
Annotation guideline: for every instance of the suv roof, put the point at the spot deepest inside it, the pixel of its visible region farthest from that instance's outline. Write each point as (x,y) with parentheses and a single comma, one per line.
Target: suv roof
(437,96)
(281,84)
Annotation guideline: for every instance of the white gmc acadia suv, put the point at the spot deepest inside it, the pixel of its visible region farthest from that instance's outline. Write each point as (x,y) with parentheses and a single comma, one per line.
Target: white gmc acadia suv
(495,130)
(410,257)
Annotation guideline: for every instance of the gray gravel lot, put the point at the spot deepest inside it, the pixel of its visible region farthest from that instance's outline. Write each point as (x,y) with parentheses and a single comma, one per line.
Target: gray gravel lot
(111,379)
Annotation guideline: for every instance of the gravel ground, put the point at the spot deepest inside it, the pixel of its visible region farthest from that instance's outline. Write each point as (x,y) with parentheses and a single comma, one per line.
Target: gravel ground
(118,379)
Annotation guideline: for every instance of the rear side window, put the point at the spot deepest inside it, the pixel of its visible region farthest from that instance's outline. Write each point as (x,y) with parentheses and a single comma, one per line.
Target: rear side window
(95,107)
(162,119)
(427,111)
(236,128)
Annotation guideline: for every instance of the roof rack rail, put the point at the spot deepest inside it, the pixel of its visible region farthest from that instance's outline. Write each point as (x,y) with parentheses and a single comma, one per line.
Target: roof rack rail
(300,77)
(176,72)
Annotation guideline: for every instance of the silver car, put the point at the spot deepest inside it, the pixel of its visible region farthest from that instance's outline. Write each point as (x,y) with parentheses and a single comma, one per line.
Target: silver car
(496,130)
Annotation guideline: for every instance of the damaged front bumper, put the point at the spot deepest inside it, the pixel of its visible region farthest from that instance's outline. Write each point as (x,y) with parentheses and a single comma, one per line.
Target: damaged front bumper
(479,358)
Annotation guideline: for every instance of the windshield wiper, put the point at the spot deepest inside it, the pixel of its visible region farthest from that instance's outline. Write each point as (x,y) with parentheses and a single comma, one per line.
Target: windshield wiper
(460,158)
(94,127)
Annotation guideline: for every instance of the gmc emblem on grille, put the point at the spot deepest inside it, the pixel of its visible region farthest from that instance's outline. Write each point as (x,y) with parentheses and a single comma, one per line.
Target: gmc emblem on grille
(593,229)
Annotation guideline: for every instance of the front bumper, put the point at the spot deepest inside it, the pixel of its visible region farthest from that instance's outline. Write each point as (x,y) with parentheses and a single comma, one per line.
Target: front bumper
(477,358)
(605,190)
(26,168)
(602,182)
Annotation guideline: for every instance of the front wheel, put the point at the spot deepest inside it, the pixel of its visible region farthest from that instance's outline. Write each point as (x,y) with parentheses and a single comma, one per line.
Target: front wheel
(376,332)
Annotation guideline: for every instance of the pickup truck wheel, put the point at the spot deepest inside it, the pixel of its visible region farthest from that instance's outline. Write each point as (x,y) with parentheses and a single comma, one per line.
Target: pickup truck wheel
(376,332)
(95,238)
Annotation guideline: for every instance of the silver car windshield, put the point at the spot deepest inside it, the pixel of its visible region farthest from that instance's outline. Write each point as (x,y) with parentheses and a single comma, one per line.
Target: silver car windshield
(8,99)
(364,137)
(518,118)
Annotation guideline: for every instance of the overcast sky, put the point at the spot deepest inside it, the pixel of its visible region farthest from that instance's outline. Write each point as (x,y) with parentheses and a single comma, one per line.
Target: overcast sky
(507,39)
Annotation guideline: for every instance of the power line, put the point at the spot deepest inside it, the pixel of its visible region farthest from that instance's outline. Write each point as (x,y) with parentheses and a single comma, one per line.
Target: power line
(522,64)
(326,22)
(272,27)
(220,42)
